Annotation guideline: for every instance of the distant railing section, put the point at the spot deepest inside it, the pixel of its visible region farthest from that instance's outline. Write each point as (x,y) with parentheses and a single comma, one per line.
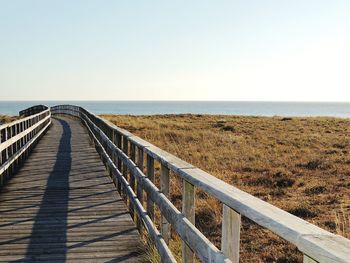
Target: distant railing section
(124,156)
(17,138)
(32,110)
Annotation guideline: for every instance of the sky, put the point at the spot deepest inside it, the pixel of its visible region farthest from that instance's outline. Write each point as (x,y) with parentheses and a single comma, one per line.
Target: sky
(256,50)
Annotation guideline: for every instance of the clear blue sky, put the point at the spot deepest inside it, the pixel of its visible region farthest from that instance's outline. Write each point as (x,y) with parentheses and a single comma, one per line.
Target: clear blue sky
(175,50)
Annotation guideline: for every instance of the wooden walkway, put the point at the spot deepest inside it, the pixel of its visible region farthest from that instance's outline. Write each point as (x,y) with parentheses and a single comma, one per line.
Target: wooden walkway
(61,206)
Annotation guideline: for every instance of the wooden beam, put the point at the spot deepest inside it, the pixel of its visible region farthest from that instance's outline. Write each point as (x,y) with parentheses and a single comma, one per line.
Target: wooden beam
(125,168)
(150,175)
(307,259)
(12,137)
(139,186)
(119,164)
(318,244)
(165,189)
(188,209)
(132,179)
(231,228)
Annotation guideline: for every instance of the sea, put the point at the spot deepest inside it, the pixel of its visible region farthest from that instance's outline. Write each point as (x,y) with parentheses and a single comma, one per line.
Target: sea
(251,108)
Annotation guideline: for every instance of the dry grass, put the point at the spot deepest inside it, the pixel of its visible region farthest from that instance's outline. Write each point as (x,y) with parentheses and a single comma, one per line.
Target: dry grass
(301,165)
(6,118)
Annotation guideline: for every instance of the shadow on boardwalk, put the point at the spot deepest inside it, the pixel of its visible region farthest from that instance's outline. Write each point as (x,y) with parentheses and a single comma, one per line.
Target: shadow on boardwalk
(54,206)
(61,206)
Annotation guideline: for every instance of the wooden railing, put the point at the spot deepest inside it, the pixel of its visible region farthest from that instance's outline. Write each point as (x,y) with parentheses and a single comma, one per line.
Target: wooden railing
(124,155)
(32,110)
(17,138)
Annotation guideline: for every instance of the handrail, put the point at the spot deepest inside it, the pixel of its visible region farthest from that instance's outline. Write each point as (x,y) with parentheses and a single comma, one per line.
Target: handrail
(17,138)
(118,148)
(32,110)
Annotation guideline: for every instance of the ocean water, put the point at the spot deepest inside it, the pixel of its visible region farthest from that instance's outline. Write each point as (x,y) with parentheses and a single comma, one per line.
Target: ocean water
(195,107)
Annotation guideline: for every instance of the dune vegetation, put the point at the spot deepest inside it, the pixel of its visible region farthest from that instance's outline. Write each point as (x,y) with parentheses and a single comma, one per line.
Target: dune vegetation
(301,165)
(6,118)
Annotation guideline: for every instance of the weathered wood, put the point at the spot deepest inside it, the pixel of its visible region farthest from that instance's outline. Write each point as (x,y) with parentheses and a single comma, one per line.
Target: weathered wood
(10,160)
(306,259)
(310,239)
(68,209)
(33,110)
(6,165)
(15,137)
(150,175)
(315,242)
(14,146)
(139,187)
(188,209)
(26,119)
(165,189)
(124,167)
(205,250)
(119,144)
(114,157)
(231,228)
(162,247)
(132,179)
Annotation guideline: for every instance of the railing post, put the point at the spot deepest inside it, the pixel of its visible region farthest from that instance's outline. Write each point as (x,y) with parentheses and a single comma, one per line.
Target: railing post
(114,157)
(21,142)
(125,167)
(15,148)
(132,178)
(139,187)
(27,139)
(7,153)
(1,158)
(119,145)
(188,209)
(230,237)
(165,189)
(150,175)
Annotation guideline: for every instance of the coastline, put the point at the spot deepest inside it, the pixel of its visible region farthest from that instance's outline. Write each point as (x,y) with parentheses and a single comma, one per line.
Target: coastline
(241,108)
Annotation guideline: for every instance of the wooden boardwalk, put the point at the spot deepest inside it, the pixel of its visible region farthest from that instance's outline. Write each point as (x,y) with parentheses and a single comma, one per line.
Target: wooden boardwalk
(61,206)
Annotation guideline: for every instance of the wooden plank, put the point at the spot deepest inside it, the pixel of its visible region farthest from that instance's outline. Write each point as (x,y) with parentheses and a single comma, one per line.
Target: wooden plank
(188,209)
(311,240)
(6,171)
(132,179)
(140,160)
(124,167)
(165,189)
(6,165)
(67,211)
(159,242)
(150,175)
(6,125)
(205,250)
(307,259)
(15,137)
(119,163)
(231,228)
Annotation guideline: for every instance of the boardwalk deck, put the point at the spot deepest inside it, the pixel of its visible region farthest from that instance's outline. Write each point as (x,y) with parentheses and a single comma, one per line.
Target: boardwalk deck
(62,207)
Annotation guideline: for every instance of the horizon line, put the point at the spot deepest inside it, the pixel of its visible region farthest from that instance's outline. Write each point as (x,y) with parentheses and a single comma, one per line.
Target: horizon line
(268,101)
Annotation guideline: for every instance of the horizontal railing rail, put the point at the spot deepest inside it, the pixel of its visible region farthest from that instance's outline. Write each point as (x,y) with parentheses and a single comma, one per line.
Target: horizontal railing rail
(124,154)
(17,138)
(32,110)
